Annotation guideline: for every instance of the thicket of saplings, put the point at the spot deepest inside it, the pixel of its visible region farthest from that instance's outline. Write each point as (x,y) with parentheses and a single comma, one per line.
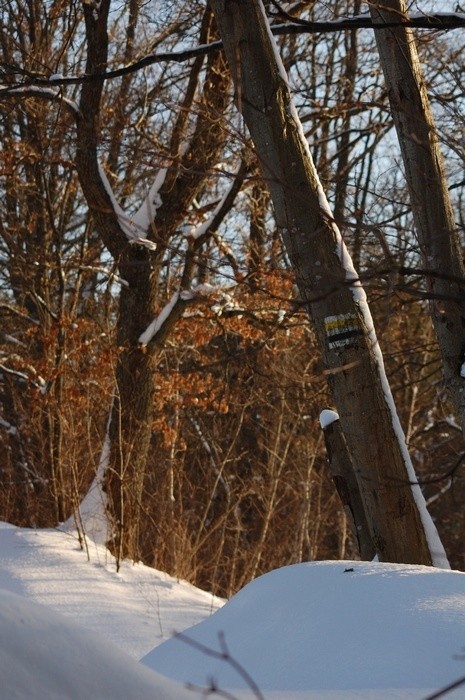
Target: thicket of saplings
(238,482)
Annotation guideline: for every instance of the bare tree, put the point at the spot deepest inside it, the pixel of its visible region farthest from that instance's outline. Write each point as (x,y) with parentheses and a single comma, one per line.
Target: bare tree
(143,244)
(329,286)
(435,226)
(134,276)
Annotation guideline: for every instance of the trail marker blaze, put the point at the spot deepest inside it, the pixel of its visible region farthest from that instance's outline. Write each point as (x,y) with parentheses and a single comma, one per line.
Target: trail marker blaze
(342,330)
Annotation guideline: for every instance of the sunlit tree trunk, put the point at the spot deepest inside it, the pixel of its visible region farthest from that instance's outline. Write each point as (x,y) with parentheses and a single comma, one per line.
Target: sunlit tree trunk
(429,197)
(401,529)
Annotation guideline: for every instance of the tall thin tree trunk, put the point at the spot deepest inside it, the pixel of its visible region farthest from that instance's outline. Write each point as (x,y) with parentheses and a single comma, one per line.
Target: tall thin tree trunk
(429,197)
(401,528)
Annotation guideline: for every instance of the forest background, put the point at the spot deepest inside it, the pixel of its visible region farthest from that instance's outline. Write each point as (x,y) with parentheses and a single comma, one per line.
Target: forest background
(143,278)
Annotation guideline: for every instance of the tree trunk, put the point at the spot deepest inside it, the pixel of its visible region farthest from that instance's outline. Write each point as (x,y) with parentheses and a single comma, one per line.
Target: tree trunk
(429,196)
(139,266)
(130,427)
(400,525)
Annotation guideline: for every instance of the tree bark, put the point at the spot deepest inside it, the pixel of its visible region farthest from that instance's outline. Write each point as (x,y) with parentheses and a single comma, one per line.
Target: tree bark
(429,197)
(130,428)
(327,282)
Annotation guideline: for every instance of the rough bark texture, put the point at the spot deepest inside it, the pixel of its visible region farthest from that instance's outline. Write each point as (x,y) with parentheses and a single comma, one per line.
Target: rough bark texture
(130,422)
(312,244)
(132,411)
(429,197)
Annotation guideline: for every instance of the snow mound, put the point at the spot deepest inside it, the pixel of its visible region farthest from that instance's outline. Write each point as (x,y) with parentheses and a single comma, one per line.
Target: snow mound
(331,626)
(44,656)
(135,609)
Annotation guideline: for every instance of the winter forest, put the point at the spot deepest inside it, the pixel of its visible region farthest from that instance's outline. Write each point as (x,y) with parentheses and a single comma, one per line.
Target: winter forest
(210,214)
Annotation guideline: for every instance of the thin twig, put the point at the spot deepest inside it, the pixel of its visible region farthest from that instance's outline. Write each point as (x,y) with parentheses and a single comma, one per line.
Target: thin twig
(223,655)
(446,689)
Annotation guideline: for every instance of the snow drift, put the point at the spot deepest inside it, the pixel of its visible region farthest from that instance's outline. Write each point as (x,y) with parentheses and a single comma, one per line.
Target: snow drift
(331,625)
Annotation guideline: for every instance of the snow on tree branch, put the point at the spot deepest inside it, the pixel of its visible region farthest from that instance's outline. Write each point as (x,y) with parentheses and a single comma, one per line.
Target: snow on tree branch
(135,228)
(211,225)
(175,308)
(148,209)
(136,234)
(437,20)
(39,382)
(42,93)
(157,323)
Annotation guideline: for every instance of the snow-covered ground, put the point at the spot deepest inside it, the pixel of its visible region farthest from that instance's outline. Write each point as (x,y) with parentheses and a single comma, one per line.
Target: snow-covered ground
(136,608)
(73,629)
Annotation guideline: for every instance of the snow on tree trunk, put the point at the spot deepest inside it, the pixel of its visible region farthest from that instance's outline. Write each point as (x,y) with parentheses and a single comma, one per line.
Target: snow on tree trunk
(401,528)
(90,518)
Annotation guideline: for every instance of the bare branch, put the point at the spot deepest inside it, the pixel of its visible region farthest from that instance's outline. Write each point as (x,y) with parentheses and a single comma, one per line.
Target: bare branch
(225,655)
(438,21)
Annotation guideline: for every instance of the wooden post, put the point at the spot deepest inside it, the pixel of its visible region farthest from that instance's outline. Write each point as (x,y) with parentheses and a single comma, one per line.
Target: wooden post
(345,481)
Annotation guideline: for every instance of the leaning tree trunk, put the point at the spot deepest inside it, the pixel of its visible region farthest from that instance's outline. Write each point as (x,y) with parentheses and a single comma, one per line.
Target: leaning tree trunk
(401,528)
(429,196)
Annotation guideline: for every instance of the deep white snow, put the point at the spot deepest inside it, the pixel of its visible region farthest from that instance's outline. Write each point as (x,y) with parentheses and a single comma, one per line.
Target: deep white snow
(73,629)
(331,626)
(44,656)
